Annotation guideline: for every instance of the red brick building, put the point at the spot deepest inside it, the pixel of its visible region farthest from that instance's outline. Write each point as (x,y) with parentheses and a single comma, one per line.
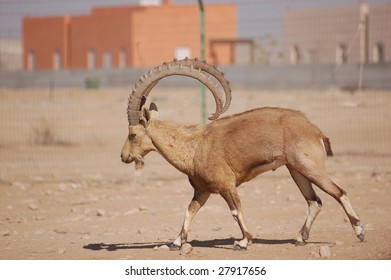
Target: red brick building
(128,36)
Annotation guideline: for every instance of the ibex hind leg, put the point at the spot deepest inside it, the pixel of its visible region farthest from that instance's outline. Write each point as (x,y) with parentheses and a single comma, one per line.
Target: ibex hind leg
(340,195)
(313,201)
(314,170)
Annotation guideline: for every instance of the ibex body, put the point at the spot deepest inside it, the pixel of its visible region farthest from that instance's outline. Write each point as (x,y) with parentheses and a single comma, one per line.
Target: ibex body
(220,156)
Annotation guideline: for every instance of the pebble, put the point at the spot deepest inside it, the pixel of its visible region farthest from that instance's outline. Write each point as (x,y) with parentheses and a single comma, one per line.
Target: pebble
(5,233)
(60,231)
(143,208)
(61,251)
(100,212)
(290,198)
(33,206)
(131,212)
(186,249)
(324,251)
(164,247)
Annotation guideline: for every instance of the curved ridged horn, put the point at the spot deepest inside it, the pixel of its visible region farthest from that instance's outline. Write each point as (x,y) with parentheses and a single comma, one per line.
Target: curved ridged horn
(187,67)
(212,70)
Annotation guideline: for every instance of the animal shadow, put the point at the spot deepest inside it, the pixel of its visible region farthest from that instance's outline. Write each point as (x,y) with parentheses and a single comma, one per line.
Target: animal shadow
(213,243)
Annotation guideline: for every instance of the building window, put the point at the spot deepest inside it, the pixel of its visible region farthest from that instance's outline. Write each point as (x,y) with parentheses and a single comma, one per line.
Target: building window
(378,53)
(57,58)
(182,52)
(341,54)
(91,59)
(31,61)
(107,60)
(294,55)
(122,59)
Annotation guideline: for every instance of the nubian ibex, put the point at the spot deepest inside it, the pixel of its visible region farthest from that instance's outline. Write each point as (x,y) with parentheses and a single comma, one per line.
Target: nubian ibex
(220,156)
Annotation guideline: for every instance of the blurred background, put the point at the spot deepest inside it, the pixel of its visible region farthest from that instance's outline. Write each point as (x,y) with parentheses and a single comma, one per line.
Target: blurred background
(43,43)
(66,71)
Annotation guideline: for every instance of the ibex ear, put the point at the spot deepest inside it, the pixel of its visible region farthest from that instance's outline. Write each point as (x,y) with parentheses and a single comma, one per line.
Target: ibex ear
(153,111)
(148,114)
(144,116)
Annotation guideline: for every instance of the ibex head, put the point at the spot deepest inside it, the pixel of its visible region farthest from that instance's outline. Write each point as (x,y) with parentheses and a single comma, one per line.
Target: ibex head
(138,143)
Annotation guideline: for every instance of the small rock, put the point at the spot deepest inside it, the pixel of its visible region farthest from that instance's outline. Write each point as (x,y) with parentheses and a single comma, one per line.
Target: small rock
(5,233)
(60,231)
(142,208)
(324,251)
(164,247)
(156,248)
(186,249)
(142,231)
(61,251)
(217,228)
(33,206)
(100,212)
(131,212)
(290,198)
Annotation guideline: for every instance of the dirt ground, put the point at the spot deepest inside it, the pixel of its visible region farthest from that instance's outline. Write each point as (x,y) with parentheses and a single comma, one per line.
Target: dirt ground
(65,194)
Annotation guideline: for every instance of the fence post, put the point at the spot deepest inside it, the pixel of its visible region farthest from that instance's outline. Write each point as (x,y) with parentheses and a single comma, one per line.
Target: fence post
(202,28)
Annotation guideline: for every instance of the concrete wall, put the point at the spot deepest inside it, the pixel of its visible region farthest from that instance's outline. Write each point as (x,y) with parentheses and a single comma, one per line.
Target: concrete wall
(317,35)
(376,76)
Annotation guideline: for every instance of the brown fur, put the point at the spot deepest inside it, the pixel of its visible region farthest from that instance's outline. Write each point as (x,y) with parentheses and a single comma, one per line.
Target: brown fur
(222,155)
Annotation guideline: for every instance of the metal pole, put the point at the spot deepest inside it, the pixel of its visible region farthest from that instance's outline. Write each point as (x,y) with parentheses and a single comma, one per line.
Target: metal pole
(203,95)
(364,15)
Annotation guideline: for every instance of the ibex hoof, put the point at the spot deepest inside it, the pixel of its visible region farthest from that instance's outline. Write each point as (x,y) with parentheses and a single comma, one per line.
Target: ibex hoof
(300,243)
(238,246)
(361,236)
(359,229)
(174,247)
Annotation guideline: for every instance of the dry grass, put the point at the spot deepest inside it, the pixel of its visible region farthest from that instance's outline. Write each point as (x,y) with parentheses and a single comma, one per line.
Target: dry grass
(44,134)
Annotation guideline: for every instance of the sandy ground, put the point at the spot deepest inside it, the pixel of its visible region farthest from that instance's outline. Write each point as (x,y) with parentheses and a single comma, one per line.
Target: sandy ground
(65,194)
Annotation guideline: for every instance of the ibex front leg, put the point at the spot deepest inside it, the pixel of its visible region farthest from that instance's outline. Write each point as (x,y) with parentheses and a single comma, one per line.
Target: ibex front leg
(199,199)
(232,198)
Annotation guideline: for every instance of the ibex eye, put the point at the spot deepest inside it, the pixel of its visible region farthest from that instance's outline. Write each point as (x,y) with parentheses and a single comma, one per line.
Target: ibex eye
(132,136)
